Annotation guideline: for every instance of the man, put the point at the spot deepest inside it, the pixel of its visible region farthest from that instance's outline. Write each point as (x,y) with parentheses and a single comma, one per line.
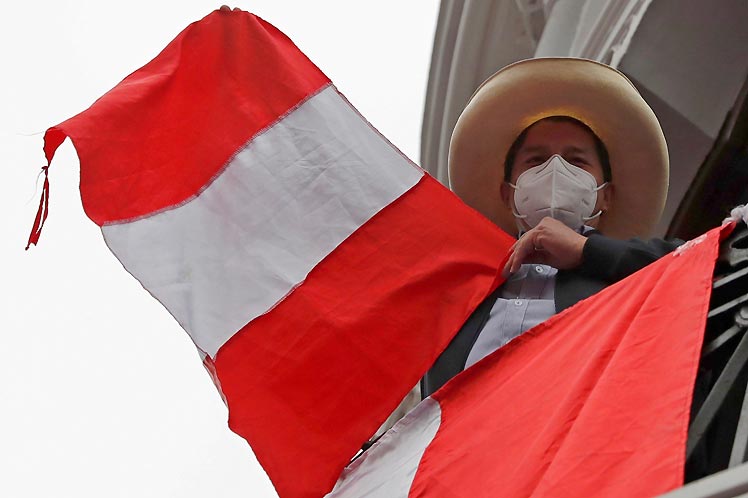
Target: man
(564,154)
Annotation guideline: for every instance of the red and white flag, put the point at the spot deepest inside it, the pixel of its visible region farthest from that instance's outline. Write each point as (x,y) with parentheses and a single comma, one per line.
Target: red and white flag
(594,401)
(318,271)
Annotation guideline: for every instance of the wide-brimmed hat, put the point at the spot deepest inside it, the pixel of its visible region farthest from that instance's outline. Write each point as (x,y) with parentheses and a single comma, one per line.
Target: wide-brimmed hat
(594,93)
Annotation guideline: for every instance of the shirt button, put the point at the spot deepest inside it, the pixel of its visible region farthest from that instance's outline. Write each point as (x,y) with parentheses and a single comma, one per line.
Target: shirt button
(518,302)
(539,269)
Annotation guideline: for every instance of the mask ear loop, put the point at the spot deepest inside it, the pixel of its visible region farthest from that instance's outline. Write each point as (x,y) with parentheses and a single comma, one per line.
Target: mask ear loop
(516,214)
(600,212)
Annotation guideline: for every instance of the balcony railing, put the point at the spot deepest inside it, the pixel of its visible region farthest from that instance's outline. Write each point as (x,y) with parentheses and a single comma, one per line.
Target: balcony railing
(718,433)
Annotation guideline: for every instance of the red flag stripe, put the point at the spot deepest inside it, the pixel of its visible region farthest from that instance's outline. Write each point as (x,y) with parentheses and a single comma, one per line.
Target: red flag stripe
(335,357)
(198,102)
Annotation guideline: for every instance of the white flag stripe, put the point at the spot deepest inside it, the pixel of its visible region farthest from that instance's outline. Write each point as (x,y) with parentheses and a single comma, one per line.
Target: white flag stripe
(387,469)
(282,204)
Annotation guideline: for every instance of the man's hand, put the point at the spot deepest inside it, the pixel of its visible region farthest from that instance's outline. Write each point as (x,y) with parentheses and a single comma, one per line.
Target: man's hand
(550,243)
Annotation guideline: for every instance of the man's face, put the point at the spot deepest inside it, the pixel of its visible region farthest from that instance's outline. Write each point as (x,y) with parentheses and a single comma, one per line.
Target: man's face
(572,142)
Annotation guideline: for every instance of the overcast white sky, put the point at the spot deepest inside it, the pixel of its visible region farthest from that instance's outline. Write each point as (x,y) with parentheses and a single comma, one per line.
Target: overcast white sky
(102,392)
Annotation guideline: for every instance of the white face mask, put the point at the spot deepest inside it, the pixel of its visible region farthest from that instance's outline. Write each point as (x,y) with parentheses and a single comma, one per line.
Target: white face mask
(557,189)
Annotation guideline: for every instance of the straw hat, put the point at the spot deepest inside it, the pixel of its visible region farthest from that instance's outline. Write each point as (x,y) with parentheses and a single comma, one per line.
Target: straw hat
(596,94)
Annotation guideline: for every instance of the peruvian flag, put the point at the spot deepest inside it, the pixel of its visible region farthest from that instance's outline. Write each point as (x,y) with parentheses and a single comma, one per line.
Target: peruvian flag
(594,401)
(318,271)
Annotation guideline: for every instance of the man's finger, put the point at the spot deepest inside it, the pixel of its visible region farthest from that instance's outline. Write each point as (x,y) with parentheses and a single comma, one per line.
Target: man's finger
(507,270)
(516,263)
(523,249)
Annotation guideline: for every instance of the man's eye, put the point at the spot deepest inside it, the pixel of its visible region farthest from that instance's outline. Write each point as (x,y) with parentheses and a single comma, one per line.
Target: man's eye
(577,160)
(535,160)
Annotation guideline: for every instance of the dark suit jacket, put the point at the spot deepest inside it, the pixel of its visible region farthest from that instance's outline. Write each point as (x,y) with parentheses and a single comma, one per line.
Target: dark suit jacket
(604,262)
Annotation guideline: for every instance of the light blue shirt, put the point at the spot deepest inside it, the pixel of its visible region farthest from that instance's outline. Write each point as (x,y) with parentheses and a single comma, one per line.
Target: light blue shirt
(526,299)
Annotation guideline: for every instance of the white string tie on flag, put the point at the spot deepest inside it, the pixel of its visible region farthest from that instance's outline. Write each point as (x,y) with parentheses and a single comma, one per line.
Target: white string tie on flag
(738,214)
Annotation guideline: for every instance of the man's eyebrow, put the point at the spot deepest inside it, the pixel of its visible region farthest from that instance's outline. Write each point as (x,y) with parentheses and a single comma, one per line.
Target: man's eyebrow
(573,149)
(532,149)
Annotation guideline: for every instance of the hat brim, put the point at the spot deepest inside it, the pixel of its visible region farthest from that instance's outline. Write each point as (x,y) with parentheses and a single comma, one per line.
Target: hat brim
(594,93)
